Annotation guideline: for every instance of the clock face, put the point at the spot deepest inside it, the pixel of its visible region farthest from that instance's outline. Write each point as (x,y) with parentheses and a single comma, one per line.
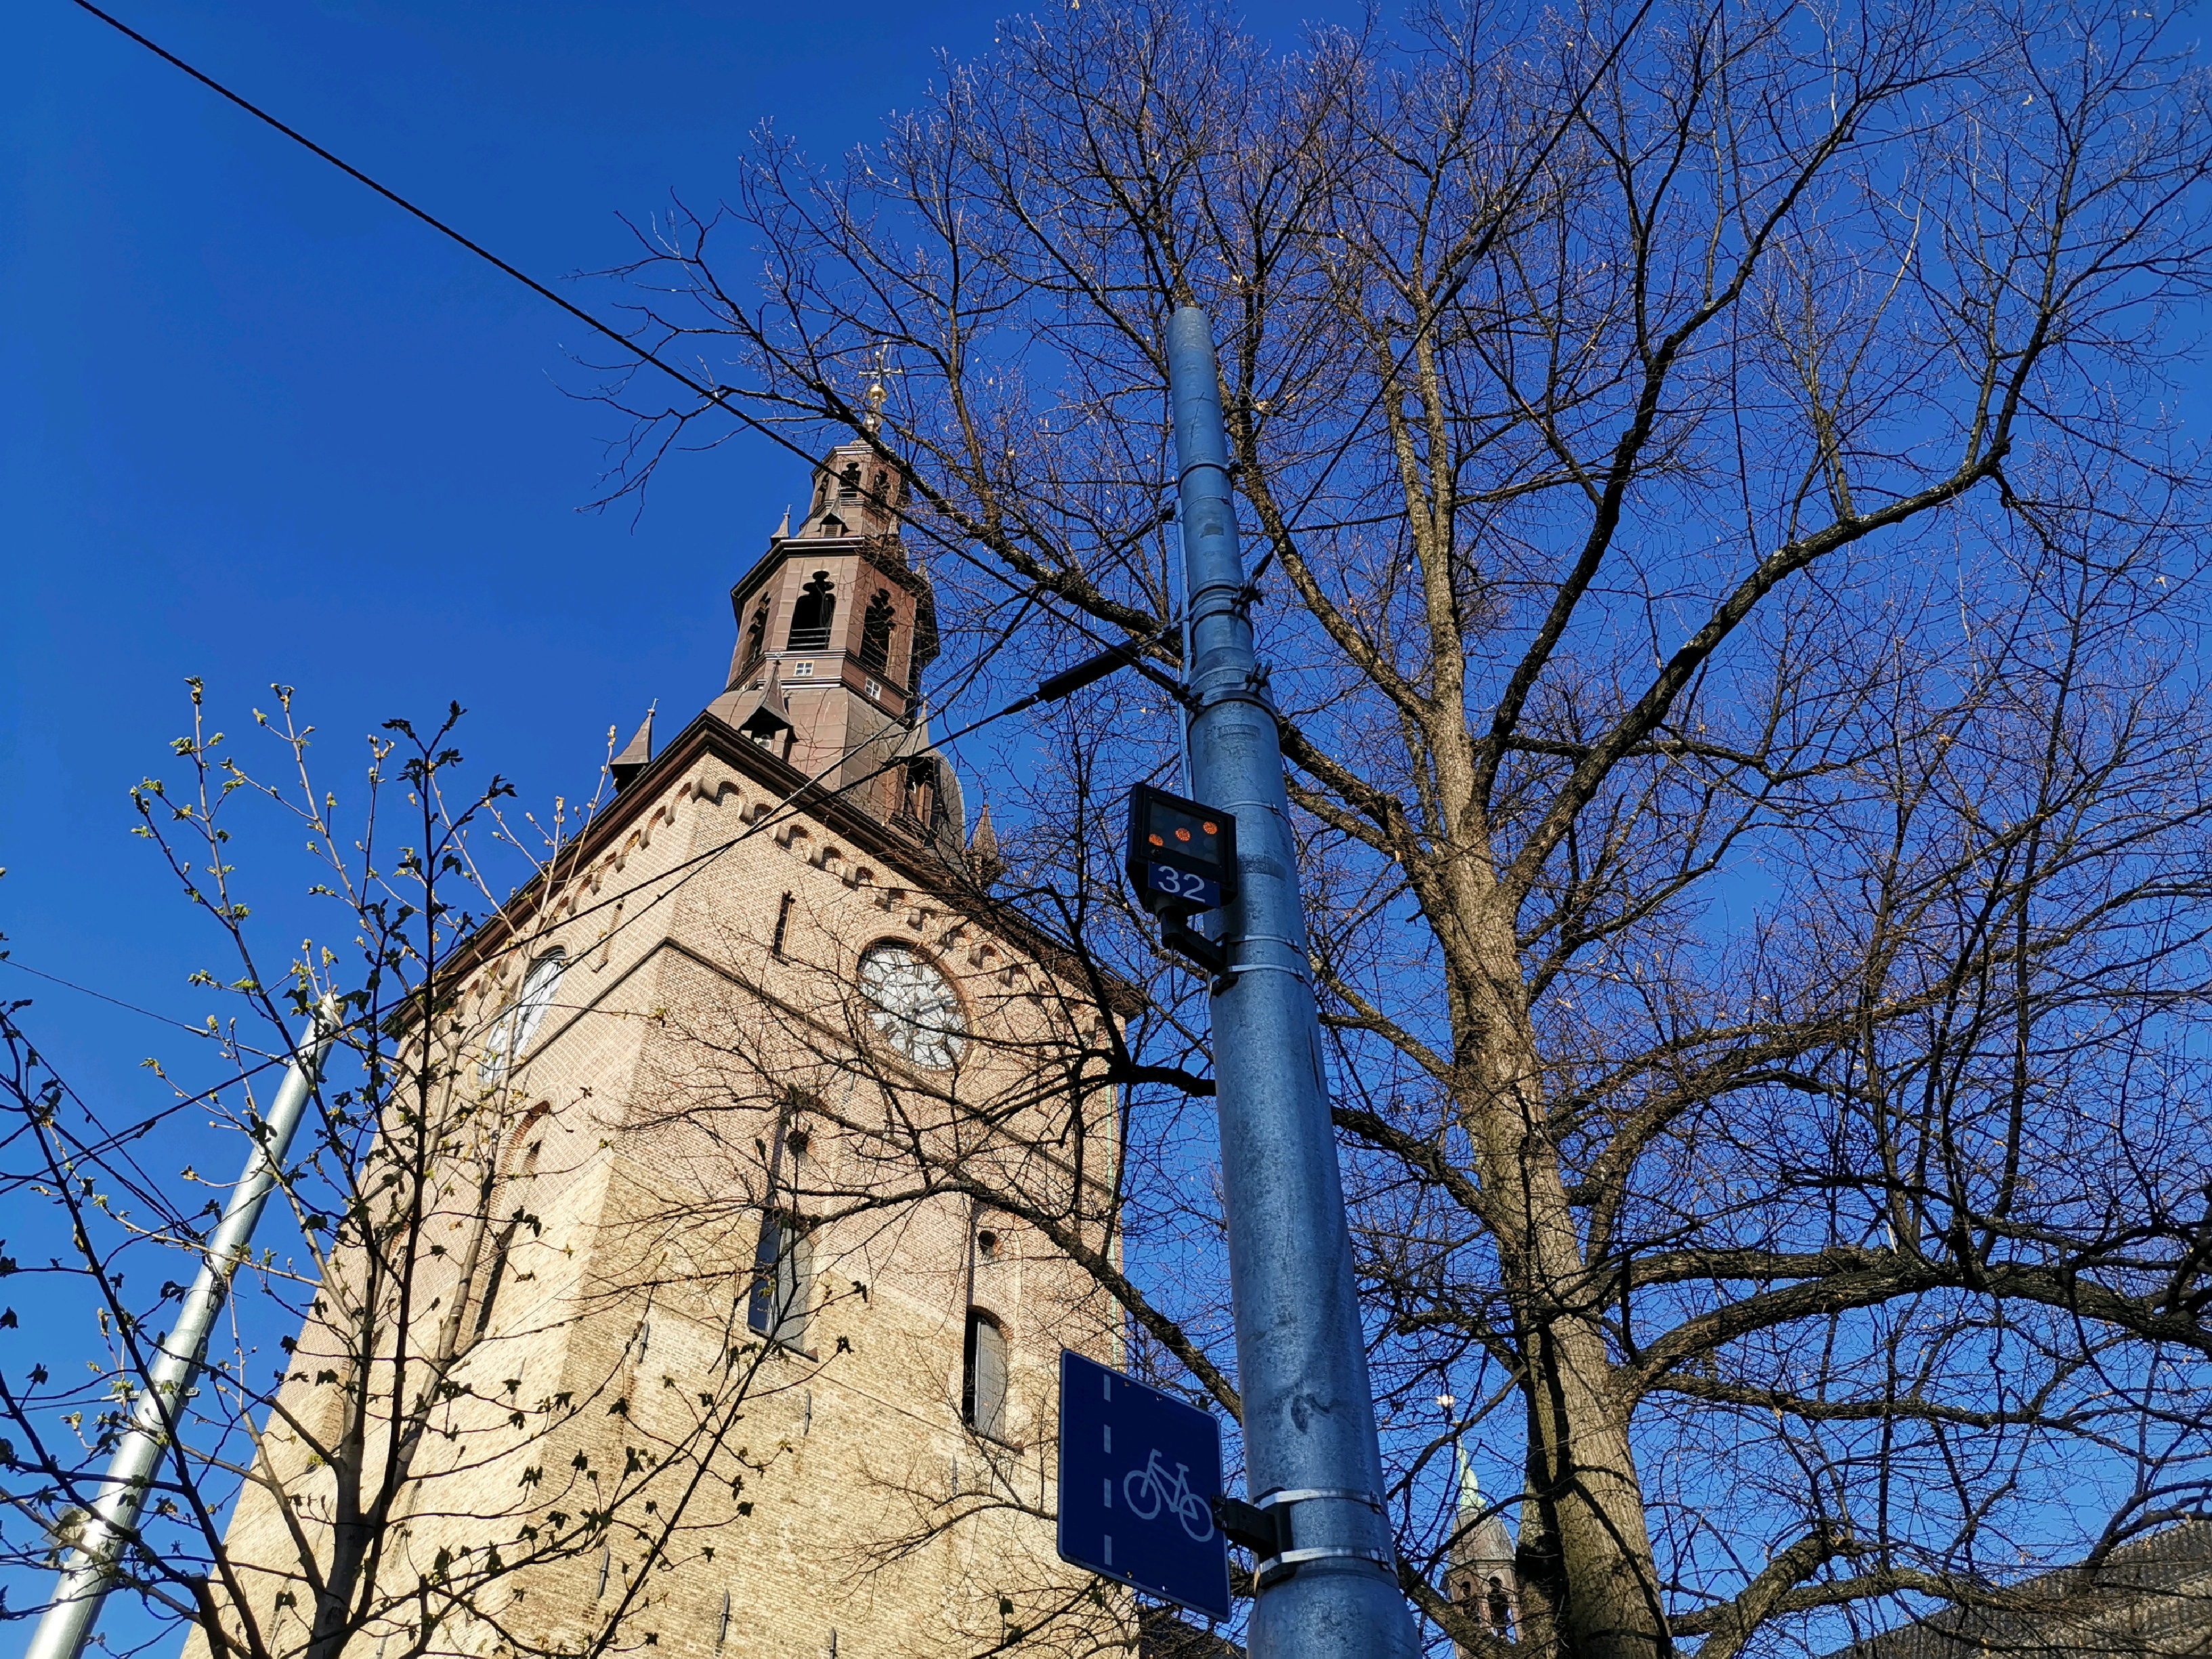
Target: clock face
(913,1006)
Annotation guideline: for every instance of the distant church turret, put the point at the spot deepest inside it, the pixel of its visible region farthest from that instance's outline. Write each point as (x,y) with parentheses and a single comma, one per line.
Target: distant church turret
(1481,1576)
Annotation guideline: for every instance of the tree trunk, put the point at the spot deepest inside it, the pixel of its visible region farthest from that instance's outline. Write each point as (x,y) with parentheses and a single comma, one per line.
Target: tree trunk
(1590,1586)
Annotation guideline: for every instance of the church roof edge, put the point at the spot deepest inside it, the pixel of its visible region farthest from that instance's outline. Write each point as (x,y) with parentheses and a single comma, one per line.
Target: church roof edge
(710,734)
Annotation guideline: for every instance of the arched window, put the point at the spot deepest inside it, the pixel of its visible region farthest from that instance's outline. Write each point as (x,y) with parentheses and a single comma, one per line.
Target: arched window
(983,1376)
(783,1272)
(508,1039)
(812,616)
(876,635)
(848,483)
(1500,1608)
(755,642)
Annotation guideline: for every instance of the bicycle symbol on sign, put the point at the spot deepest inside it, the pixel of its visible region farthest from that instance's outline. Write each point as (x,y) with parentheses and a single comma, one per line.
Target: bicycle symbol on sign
(1150,1489)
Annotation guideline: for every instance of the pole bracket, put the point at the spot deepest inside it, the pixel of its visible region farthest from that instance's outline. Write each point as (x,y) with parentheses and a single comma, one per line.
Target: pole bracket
(1277,1568)
(1177,936)
(1264,1528)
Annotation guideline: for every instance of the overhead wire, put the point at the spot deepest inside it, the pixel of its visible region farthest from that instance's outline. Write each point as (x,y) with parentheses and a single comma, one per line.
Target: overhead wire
(717,396)
(1127,653)
(165,1019)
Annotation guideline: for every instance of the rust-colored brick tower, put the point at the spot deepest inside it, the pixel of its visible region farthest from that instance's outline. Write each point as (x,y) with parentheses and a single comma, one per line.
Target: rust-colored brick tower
(745,1058)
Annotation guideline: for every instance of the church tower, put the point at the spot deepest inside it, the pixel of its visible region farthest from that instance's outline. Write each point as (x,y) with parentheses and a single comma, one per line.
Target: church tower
(1482,1576)
(733,1352)
(835,630)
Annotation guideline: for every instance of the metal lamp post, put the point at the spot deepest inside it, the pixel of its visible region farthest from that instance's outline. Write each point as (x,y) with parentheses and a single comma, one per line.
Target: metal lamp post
(89,1573)
(1313,1460)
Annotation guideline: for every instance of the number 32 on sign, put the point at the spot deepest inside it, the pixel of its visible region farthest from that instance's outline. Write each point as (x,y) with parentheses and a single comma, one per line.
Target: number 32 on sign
(1139,1473)
(1193,889)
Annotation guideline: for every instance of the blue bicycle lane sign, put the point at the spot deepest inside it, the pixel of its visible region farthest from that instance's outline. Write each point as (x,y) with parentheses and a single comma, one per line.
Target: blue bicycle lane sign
(1139,1473)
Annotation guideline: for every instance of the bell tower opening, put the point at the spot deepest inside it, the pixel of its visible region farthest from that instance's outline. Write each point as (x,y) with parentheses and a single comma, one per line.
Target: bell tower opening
(876,635)
(812,616)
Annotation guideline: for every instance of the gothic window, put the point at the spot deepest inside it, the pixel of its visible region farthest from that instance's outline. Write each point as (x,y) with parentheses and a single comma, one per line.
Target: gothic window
(848,483)
(780,1275)
(811,617)
(755,642)
(1500,1607)
(919,808)
(508,1039)
(876,635)
(983,1373)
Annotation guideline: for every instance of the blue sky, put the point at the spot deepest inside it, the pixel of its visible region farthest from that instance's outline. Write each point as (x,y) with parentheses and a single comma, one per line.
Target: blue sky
(260,426)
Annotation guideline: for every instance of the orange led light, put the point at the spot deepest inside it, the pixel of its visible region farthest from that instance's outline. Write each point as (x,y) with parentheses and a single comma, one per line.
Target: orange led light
(1182,835)
(1156,841)
(1212,829)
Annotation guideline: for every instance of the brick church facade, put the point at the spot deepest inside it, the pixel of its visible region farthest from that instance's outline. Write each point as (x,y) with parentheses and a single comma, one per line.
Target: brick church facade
(743,1065)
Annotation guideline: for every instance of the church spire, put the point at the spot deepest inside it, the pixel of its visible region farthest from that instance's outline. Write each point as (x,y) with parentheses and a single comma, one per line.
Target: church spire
(636,755)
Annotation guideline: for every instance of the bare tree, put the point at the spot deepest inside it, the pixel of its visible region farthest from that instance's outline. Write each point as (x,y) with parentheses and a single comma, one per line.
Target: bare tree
(1731,579)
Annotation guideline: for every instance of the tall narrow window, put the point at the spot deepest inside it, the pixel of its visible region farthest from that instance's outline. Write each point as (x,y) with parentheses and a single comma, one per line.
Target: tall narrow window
(812,616)
(1500,1607)
(492,1280)
(778,1308)
(876,635)
(918,811)
(722,1630)
(983,1387)
(755,642)
(510,1035)
(849,481)
(782,924)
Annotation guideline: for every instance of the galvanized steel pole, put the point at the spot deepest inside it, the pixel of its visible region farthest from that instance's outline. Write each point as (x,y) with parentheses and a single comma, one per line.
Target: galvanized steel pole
(1310,1450)
(90,1570)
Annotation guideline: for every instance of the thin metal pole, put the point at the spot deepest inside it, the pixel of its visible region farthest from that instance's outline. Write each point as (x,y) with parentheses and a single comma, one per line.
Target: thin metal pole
(1301,1356)
(90,1571)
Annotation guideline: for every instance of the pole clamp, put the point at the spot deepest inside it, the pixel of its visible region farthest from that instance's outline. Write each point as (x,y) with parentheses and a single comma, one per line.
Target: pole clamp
(1306,1494)
(1277,1568)
(1264,1528)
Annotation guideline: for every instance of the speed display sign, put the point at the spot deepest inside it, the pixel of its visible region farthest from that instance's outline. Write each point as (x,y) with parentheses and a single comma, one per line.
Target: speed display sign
(1183,855)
